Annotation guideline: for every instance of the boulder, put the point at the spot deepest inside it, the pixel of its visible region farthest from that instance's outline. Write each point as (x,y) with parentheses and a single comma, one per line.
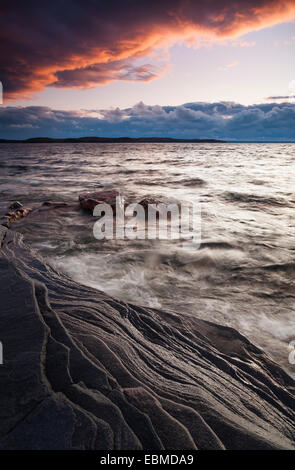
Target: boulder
(88,201)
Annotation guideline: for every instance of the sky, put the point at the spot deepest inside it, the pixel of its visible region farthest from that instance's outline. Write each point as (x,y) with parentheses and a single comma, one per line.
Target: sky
(178,68)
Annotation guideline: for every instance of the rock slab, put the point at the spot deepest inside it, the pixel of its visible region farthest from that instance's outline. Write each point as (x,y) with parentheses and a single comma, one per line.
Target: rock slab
(85,371)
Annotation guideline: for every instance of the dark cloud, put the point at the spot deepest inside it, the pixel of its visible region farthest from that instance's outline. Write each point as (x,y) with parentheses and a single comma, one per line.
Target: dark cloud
(83,43)
(232,121)
(101,74)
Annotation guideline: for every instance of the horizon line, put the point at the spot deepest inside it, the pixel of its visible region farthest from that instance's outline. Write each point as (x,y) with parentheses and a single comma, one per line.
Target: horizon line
(126,139)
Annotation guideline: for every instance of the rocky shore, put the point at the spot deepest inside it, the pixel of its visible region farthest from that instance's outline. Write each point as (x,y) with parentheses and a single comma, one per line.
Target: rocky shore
(82,370)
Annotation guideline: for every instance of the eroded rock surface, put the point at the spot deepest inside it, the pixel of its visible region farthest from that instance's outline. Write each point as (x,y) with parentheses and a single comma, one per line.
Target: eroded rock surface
(84,371)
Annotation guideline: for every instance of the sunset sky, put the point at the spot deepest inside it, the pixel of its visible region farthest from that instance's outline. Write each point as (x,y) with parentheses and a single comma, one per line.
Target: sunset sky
(73,68)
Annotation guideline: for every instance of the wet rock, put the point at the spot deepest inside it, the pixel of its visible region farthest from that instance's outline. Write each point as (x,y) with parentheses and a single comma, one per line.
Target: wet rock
(148,203)
(82,370)
(88,201)
(15,205)
(5,221)
(89,204)
(148,200)
(12,216)
(52,204)
(151,200)
(23,212)
(155,206)
(17,211)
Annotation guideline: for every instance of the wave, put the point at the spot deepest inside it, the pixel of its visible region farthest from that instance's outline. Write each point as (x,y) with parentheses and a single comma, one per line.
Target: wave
(254,199)
(192,182)
(289,267)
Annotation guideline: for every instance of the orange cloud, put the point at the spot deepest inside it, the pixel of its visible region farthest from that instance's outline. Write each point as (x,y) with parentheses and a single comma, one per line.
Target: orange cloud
(84,44)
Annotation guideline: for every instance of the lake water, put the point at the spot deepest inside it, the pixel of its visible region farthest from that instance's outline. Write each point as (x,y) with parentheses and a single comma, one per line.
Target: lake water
(242,275)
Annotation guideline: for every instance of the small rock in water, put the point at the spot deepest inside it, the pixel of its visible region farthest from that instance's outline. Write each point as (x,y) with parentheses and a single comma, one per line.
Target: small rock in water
(148,202)
(15,205)
(54,204)
(157,206)
(23,212)
(47,203)
(17,212)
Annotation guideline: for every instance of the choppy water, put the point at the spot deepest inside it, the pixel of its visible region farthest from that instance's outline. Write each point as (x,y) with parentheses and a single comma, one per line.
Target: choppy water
(244,273)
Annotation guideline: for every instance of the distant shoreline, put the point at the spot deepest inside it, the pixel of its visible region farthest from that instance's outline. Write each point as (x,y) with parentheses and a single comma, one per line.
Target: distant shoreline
(72,140)
(143,140)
